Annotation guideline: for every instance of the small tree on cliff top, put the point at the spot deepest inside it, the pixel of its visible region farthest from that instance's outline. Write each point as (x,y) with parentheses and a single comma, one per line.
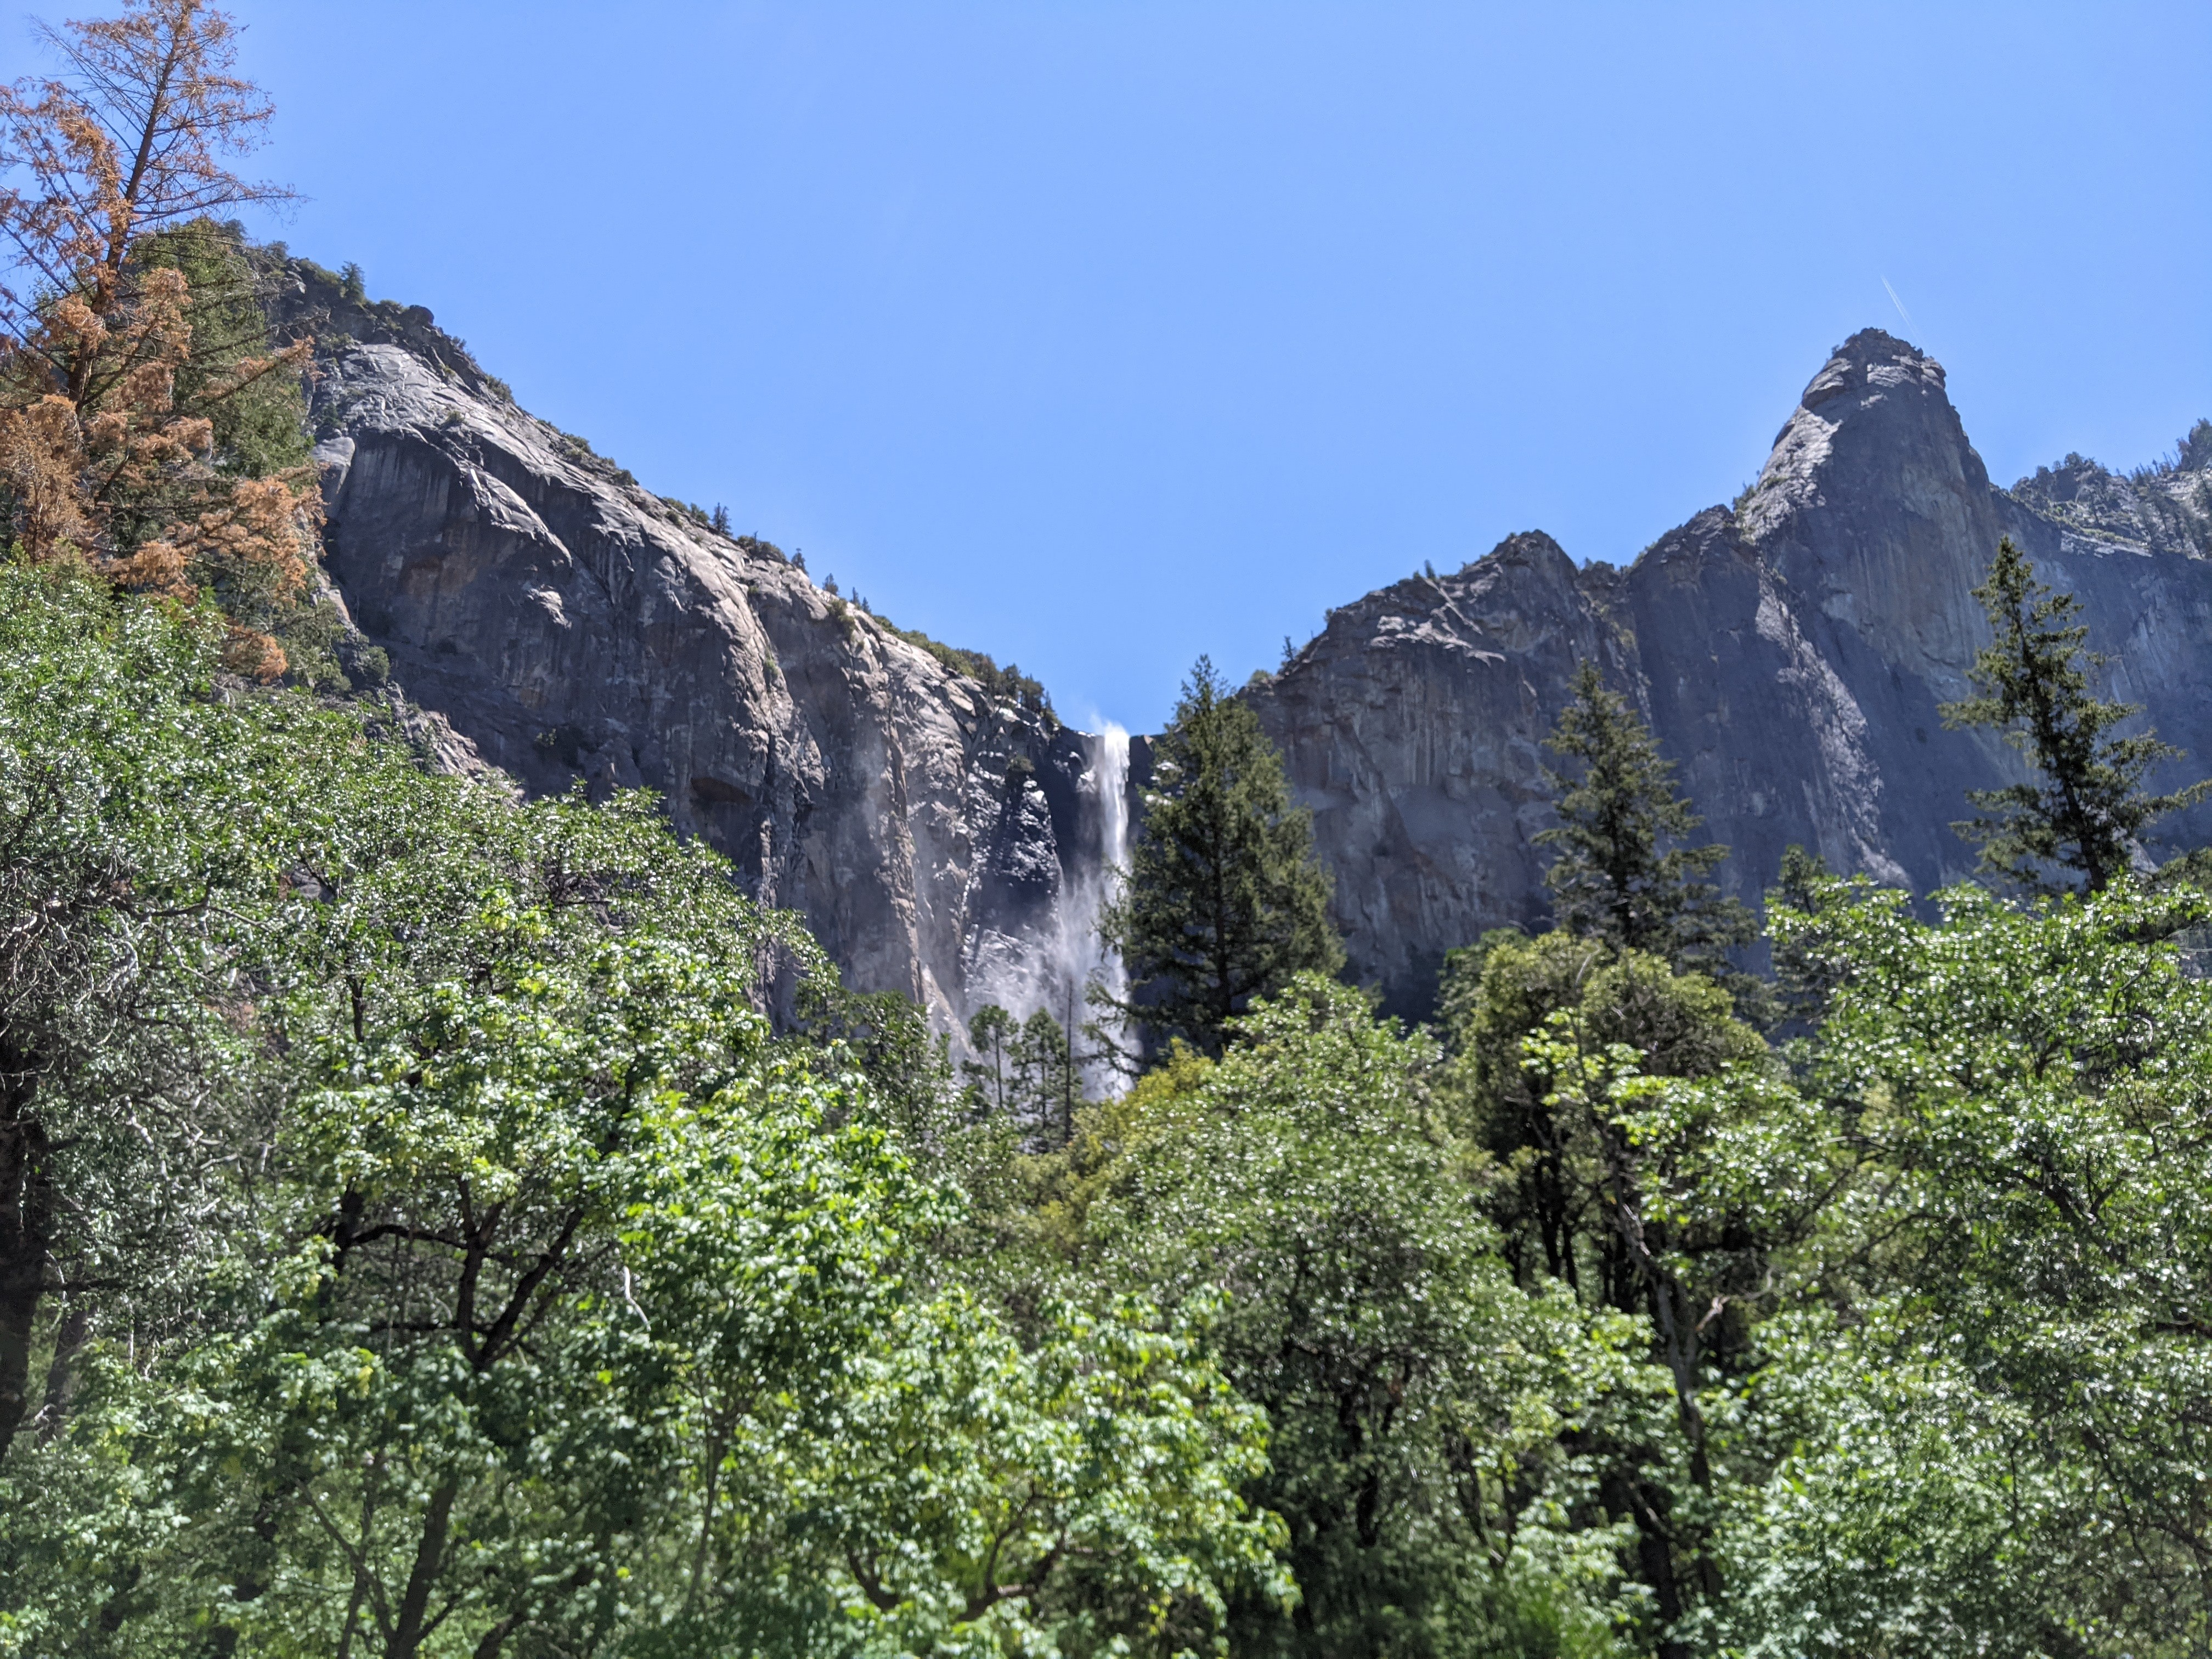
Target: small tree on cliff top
(1620,875)
(2088,810)
(1224,902)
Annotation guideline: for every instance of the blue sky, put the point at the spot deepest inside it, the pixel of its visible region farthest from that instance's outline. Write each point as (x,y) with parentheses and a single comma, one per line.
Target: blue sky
(1096,336)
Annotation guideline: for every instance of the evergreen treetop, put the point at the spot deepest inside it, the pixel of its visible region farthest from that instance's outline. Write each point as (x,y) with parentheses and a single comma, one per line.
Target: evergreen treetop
(1619,875)
(1224,902)
(2088,809)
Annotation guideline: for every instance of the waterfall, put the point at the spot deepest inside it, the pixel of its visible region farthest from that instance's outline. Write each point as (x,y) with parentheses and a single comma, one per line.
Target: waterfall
(1053,966)
(1084,959)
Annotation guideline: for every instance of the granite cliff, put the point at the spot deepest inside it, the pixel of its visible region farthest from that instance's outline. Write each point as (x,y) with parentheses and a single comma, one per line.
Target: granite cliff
(546,616)
(549,618)
(1789,651)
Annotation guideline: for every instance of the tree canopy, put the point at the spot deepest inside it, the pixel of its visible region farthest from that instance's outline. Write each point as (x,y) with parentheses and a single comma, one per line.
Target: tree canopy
(434,1229)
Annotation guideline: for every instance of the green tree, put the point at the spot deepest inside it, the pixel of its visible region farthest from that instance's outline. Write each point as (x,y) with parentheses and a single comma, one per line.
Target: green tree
(1645,1154)
(1048,1077)
(992,1035)
(1224,902)
(1618,874)
(1423,1405)
(147,827)
(451,1254)
(2086,812)
(1026,1073)
(1980,1426)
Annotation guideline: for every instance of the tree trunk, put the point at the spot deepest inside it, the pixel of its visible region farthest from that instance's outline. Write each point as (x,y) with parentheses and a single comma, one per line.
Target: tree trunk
(27,1217)
(407,1633)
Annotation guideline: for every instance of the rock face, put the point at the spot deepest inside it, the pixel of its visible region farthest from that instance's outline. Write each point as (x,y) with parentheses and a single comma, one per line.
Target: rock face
(548,617)
(1789,652)
(552,619)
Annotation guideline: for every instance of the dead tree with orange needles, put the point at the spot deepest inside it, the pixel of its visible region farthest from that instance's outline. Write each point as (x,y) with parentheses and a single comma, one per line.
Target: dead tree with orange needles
(99,455)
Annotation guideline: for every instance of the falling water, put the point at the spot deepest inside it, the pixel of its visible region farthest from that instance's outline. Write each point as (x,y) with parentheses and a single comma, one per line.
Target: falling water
(1054,969)
(1084,959)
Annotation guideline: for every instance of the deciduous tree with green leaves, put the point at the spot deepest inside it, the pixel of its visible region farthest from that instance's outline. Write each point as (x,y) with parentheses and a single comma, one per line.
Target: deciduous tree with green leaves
(439,1251)
(1980,1426)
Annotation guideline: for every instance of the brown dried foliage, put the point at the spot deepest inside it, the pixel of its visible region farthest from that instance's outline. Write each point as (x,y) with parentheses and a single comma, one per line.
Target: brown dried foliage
(96,458)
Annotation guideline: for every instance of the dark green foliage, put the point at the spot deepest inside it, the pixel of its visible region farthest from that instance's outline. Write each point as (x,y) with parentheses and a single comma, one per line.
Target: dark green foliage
(1224,902)
(1557,1041)
(1007,684)
(2081,824)
(1806,975)
(1619,873)
(259,422)
(260,429)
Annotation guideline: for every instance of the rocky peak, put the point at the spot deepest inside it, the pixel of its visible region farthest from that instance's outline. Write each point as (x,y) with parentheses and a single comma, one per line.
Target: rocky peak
(1791,654)
(1872,360)
(1875,423)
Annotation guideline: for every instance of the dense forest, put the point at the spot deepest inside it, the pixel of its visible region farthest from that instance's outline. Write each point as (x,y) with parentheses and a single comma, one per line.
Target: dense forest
(436,1224)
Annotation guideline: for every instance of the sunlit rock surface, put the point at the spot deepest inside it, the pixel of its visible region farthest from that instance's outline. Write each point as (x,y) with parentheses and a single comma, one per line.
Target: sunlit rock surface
(552,619)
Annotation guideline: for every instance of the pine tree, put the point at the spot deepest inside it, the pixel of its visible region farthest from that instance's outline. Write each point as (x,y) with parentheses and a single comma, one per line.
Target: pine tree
(1025,1072)
(991,1033)
(1224,901)
(1620,875)
(110,397)
(2086,812)
(1047,1078)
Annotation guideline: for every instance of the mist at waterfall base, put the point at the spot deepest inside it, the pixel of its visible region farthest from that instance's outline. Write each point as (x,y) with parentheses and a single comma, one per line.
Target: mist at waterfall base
(1054,969)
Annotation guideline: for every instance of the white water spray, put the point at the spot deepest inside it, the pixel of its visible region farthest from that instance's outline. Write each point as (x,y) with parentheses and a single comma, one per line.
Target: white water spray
(1084,959)
(1055,971)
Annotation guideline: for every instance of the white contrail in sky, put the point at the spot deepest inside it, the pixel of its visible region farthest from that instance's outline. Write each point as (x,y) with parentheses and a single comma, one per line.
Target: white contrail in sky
(1898,303)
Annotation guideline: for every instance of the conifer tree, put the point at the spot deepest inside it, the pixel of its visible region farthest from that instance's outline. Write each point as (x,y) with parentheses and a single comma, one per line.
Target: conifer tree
(991,1033)
(1046,1076)
(1620,875)
(111,402)
(1024,1072)
(2087,811)
(1224,901)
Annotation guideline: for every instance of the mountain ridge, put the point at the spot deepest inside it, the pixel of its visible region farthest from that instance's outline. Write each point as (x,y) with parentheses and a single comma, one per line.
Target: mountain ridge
(557,622)
(1790,652)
